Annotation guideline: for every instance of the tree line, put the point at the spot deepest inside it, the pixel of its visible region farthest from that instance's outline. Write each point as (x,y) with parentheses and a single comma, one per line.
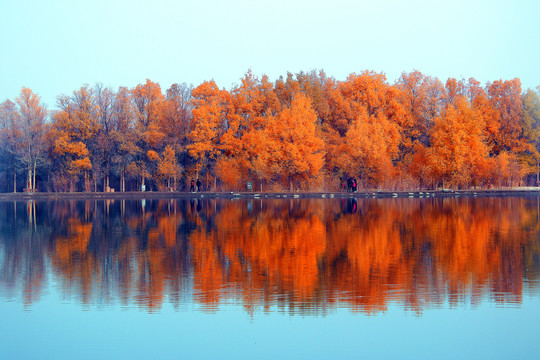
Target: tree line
(305,131)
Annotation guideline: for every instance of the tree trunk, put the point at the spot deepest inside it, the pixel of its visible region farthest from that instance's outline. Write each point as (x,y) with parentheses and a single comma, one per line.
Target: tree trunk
(34,177)
(29,182)
(14,180)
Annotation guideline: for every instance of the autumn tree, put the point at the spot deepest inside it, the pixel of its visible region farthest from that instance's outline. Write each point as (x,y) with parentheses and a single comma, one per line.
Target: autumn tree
(210,122)
(175,120)
(487,113)
(33,128)
(176,116)
(103,140)
(317,85)
(371,144)
(510,137)
(148,102)
(531,125)
(459,150)
(73,128)
(421,97)
(167,166)
(295,150)
(370,106)
(286,88)
(250,106)
(123,134)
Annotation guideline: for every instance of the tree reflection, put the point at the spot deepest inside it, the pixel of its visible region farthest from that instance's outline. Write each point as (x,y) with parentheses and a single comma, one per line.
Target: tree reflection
(301,256)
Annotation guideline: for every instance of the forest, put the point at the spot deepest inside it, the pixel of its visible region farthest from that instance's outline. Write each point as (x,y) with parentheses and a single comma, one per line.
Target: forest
(303,132)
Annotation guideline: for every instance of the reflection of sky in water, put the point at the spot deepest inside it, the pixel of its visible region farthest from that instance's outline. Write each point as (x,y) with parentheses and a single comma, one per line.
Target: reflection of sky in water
(453,279)
(58,329)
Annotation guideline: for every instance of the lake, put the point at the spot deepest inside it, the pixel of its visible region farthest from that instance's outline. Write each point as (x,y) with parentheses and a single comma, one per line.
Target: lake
(406,278)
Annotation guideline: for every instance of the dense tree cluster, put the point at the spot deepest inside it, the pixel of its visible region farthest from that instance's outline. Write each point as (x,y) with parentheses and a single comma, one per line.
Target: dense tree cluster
(305,131)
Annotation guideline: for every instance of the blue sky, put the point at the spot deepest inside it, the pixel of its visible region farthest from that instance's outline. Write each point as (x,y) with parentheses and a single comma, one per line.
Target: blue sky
(54,47)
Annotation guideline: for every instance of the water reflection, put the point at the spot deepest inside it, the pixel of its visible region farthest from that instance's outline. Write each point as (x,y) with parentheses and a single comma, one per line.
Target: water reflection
(296,256)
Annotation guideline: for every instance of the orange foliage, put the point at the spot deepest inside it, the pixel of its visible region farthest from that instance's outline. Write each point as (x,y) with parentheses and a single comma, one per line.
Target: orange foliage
(459,150)
(303,129)
(294,147)
(371,145)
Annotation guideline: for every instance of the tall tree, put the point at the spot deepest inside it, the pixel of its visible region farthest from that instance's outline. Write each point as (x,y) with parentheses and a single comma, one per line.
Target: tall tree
(459,152)
(167,167)
(72,130)
(369,103)
(148,100)
(33,115)
(488,114)
(505,97)
(103,140)
(123,134)
(210,122)
(10,137)
(370,146)
(421,96)
(295,146)
(250,106)
(531,126)
(176,118)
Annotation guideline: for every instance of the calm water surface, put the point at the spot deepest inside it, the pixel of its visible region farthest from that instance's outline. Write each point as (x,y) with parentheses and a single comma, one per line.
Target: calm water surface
(367,278)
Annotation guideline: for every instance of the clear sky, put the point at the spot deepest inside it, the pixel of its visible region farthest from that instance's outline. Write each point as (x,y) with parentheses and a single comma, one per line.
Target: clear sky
(54,47)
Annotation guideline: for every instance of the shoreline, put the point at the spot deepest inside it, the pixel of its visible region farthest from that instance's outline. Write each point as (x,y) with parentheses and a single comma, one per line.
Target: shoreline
(137,195)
